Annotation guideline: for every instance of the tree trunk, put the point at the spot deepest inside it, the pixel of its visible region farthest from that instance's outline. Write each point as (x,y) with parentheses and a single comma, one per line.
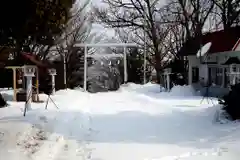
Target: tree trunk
(158,76)
(158,68)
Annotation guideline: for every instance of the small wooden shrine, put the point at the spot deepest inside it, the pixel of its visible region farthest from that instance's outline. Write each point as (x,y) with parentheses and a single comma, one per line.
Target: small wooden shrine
(19,84)
(19,80)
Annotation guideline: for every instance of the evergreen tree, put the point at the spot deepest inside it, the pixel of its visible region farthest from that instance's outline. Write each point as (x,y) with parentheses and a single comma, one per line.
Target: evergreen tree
(135,67)
(30,22)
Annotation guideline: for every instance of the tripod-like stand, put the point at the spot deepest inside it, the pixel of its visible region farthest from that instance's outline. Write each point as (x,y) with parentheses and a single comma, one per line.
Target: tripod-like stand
(206,95)
(28,98)
(201,54)
(49,98)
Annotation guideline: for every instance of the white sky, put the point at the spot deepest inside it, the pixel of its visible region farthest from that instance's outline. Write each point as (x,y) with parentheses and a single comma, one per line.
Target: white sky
(98,28)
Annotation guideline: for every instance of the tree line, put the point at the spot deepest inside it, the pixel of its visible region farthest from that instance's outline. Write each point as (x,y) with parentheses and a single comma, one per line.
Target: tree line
(50,28)
(167,24)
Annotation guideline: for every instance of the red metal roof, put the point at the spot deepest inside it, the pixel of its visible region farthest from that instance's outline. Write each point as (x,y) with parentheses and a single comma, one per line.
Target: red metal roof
(35,59)
(222,41)
(236,45)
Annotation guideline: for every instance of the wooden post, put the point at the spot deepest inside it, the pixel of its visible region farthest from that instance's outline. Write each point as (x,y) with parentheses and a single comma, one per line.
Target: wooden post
(223,77)
(14,84)
(168,82)
(125,65)
(189,72)
(37,84)
(23,82)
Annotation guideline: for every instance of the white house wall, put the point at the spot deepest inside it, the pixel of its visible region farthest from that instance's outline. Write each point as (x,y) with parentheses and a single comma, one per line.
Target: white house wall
(193,61)
(203,73)
(220,58)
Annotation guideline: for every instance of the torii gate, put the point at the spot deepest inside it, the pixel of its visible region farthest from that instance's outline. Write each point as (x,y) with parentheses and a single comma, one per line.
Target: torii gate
(124,45)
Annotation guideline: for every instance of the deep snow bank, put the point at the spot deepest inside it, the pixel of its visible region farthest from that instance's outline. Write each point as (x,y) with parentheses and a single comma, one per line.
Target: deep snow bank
(186,90)
(142,88)
(140,120)
(150,88)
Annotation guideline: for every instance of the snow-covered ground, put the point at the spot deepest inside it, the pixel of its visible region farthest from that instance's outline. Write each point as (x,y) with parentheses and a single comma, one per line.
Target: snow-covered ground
(135,123)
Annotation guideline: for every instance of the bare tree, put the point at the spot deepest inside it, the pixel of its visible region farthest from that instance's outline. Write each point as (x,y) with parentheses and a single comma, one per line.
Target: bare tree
(191,14)
(186,19)
(138,16)
(228,11)
(78,30)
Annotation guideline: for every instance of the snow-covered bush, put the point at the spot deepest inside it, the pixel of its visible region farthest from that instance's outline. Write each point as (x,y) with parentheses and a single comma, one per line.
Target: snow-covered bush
(3,103)
(231,102)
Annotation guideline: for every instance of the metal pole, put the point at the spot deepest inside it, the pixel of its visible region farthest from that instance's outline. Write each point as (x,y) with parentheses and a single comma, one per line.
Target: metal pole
(145,62)
(65,69)
(145,47)
(168,82)
(14,84)
(125,65)
(37,84)
(85,69)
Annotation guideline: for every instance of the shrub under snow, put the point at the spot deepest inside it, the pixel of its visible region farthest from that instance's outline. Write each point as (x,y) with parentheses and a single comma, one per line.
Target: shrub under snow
(230,102)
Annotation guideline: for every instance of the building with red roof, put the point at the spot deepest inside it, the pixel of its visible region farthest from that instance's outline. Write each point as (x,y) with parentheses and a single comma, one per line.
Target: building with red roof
(7,59)
(211,57)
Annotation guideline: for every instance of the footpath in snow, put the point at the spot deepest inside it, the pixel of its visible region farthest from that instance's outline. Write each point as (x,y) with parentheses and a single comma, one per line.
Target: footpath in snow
(135,123)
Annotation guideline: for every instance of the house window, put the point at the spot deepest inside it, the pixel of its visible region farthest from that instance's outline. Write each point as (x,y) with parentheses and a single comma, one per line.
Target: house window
(215,76)
(212,75)
(219,78)
(234,74)
(233,68)
(195,74)
(226,77)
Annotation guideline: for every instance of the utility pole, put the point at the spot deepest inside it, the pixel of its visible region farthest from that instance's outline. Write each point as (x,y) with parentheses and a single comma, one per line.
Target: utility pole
(145,48)
(65,69)
(145,62)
